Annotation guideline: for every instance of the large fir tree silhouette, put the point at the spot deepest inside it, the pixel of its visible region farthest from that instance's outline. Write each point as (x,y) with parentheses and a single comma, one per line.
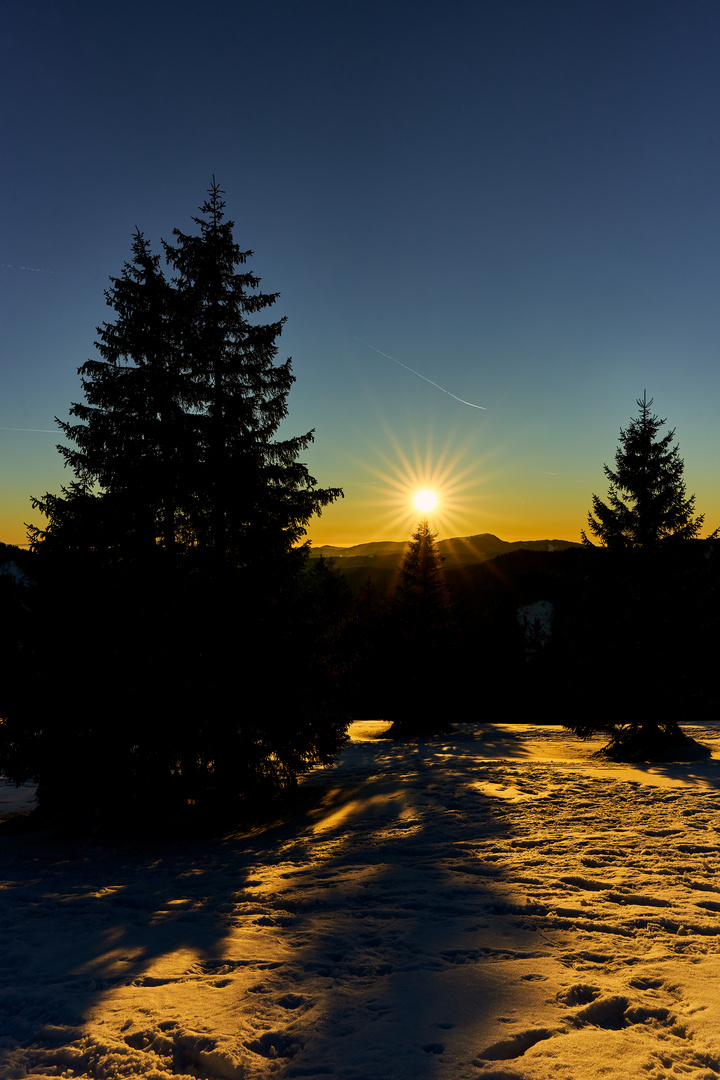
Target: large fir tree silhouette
(177,433)
(172,655)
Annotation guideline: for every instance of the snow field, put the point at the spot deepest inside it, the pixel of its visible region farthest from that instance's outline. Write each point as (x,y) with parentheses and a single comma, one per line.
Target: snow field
(495,906)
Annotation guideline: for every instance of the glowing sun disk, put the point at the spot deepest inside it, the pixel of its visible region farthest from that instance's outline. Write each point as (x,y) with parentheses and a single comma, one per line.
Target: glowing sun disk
(425,501)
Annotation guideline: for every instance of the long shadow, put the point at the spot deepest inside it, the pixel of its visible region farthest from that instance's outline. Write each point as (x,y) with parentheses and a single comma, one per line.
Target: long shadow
(299,915)
(389,916)
(700,773)
(86,919)
(489,740)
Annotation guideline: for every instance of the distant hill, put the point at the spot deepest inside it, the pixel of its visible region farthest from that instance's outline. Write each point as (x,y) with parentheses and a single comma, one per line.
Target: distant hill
(458,551)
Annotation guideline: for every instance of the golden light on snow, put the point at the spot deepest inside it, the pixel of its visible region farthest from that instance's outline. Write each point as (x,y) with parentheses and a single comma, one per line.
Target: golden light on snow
(226,955)
(425,501)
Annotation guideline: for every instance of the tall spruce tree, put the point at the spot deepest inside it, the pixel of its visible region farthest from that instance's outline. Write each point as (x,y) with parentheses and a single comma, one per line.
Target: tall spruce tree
(177,431)
(132,449)
(254,495)
(647,502)
(174,554)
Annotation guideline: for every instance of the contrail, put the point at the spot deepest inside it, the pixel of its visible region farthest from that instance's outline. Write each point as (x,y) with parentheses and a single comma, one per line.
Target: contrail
(47,430)
(33,269)
(414,372)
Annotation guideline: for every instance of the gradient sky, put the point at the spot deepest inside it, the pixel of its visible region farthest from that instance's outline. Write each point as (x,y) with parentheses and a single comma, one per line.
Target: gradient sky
(519,200)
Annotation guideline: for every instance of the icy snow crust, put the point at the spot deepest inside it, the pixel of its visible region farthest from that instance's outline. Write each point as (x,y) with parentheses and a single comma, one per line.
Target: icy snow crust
(493,906)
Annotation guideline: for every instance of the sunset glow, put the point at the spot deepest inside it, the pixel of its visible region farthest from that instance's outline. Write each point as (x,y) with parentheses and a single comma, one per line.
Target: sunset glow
(497,303)
(443,483)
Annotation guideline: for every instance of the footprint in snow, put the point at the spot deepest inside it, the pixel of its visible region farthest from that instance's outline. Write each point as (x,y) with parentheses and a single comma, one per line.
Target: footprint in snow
(614,1013)
(515,1046)
(274,1044)
(578,994)
(646,982)
(291,1001)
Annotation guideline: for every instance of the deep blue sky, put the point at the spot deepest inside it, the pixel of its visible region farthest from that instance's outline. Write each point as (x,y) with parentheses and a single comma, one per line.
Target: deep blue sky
(518,200)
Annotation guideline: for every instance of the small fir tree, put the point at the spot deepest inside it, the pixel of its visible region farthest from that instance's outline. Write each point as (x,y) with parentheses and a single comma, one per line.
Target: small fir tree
(422,597)
(421,629)
(647,502)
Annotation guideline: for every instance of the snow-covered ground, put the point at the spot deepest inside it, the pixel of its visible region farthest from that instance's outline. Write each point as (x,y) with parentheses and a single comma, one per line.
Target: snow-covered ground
(496,906)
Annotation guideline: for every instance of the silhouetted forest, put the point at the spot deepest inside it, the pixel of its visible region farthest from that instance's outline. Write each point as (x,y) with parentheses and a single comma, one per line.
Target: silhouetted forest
(130,698)
(169,641)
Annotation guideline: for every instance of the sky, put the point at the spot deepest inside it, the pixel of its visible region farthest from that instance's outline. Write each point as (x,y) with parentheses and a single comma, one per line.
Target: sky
(511,205)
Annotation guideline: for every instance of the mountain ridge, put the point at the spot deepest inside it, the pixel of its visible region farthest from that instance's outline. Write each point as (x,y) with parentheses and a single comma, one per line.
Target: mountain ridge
(456,551)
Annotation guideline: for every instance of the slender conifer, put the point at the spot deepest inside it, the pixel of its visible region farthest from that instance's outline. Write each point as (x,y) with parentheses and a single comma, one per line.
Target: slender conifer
(647,502)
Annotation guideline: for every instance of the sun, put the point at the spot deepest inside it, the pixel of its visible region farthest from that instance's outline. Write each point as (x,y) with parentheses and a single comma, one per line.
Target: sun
(421,482)
(425,501)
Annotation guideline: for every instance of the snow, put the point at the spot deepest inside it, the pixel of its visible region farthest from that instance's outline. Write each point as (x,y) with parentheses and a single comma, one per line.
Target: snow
(11,569)
(536,621)
(496,905)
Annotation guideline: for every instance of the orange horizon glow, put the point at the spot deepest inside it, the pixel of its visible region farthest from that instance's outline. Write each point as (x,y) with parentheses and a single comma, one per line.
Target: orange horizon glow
(473,494)
(476,495)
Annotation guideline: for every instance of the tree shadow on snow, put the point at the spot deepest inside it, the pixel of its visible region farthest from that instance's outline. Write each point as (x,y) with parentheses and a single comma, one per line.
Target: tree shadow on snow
(393,914)
(488,739)
(702,773)
(352,932)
